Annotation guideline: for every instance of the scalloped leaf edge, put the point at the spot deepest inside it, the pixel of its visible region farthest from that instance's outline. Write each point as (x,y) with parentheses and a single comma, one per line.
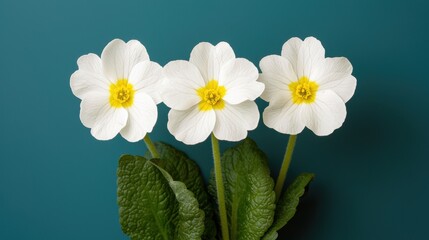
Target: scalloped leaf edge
(288,203)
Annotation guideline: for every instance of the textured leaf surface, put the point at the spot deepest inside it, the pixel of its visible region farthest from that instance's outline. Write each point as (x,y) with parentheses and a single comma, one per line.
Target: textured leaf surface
(190,222)
(288,202)
(153,206)
(183,169)
(249,194)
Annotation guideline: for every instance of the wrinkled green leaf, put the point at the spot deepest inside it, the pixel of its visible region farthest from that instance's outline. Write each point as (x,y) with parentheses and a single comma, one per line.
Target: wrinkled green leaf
(288,202)
(250,199)
(153,206)
(190,224)
(183,169)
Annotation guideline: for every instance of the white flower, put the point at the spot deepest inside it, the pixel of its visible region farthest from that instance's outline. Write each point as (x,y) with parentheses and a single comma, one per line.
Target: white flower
(213,92)
(305,89)
(119,92)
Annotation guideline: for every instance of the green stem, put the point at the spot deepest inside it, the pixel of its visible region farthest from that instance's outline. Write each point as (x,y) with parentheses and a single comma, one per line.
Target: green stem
(285,166)
(150,146)
(220,189)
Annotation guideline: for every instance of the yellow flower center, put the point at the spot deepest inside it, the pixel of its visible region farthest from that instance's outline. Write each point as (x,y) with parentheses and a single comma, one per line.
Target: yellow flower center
(121,94)
(303,90)
(211,96)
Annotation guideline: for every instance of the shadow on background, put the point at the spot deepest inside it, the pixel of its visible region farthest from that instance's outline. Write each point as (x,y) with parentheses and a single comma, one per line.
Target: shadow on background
(310,205)
(375,153)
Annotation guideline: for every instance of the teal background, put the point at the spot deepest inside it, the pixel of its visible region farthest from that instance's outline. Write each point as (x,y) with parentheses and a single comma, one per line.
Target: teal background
(58,182)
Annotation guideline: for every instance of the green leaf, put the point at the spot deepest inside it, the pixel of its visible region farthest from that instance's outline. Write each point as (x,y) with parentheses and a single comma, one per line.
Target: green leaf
(250,199)
(191,218)
(288,202)
(154,206)
(183,169)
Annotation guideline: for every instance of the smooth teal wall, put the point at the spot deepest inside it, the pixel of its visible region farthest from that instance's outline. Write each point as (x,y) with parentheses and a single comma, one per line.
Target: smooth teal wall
(58,182)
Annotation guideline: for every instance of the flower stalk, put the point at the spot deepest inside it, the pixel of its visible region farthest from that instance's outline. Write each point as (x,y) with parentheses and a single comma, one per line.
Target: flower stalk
(219,187)
(150,146)
(285,166)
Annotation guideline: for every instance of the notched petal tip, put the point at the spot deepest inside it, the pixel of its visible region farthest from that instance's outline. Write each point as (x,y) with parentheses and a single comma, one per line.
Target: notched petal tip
(223,44)
(311,38)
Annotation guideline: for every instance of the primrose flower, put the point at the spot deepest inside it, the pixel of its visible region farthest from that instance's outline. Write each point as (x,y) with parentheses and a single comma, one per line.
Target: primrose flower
(305,89)
(213,92)
(119,92)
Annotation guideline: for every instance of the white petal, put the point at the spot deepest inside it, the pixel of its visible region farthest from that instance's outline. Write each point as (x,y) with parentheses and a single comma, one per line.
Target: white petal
(209,59)
(136,52)
(142,117)
(82,83)
(119,58)
(180,87)
(346,88)
(274,86)
(191,126)
(277,73)
(202,57)
(284,116)
(280,66)
(90,63)
(310,56)
(233,122)
(109,122)
(332,71)
(290,50)
(92,105)
(327,113)
(147,76)
(223,54)
(239,77)
(89,77)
